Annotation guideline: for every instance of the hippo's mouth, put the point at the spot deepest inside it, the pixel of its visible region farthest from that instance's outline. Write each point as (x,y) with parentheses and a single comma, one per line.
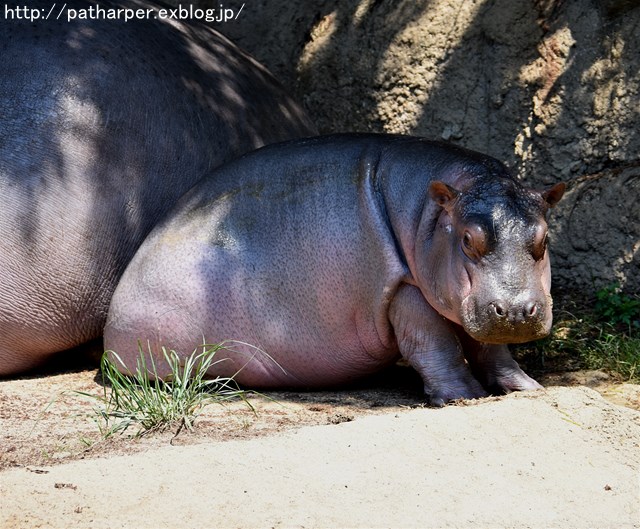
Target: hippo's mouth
(507,336)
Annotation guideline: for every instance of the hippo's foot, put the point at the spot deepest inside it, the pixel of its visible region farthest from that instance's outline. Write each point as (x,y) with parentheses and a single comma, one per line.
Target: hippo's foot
(428,342)
(508,379)
(448,392)
(498,372)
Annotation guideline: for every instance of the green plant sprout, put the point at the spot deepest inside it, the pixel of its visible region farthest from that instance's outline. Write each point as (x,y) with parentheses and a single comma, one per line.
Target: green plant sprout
(144,399)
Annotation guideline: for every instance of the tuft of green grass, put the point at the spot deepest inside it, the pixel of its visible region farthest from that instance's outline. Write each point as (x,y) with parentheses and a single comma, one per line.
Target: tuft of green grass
(604,336)
(145,400)
(614,352)
(617,308)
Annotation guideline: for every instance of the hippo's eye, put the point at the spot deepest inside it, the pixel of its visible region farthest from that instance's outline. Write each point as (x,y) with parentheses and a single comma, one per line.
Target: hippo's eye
(467,241)
(540,247)
(473,244)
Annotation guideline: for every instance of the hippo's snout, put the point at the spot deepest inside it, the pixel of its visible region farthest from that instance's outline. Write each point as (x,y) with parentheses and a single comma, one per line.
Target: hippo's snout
(504,321)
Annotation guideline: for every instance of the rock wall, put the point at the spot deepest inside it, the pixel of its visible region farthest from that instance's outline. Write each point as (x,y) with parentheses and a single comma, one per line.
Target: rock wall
(551,87)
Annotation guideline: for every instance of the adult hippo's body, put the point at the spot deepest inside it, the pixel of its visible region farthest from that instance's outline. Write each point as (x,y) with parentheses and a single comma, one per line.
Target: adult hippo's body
(104,125)
(336,254)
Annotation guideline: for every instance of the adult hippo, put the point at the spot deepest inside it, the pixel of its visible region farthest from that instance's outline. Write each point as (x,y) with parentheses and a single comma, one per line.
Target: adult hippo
(104,125)
(336,254)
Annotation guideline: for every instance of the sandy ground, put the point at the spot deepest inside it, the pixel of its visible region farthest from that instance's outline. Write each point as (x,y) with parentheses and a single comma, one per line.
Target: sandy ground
(370,456)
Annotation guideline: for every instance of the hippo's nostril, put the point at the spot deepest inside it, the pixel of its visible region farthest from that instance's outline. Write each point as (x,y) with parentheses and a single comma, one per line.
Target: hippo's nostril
(500,308)
(530,309)
(516,312)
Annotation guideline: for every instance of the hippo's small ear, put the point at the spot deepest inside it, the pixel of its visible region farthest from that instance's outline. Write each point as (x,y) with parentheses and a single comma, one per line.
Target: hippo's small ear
(553,195)
(444,195)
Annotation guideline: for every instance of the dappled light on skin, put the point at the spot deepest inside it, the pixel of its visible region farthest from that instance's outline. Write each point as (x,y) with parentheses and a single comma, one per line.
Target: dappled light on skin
(99,137)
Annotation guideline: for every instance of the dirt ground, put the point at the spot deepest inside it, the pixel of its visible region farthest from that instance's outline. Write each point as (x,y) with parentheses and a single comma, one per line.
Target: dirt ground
(367,456)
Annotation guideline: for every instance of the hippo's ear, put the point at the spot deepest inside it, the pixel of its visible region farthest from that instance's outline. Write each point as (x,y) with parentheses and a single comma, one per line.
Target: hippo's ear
(553,195)
(444,195)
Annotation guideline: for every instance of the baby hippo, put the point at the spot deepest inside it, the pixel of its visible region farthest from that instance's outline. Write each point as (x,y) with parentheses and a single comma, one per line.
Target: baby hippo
(335,255)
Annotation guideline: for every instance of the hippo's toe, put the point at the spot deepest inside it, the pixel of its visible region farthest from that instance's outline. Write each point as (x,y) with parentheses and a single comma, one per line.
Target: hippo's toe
(511,380)
(440,396)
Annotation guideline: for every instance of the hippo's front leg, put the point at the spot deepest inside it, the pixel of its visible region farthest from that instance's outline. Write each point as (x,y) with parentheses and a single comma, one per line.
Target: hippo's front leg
(430,344)
(494,366)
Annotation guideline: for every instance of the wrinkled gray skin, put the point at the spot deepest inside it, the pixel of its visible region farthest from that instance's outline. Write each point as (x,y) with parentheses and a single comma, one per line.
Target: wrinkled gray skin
(336,254)
(103,126)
